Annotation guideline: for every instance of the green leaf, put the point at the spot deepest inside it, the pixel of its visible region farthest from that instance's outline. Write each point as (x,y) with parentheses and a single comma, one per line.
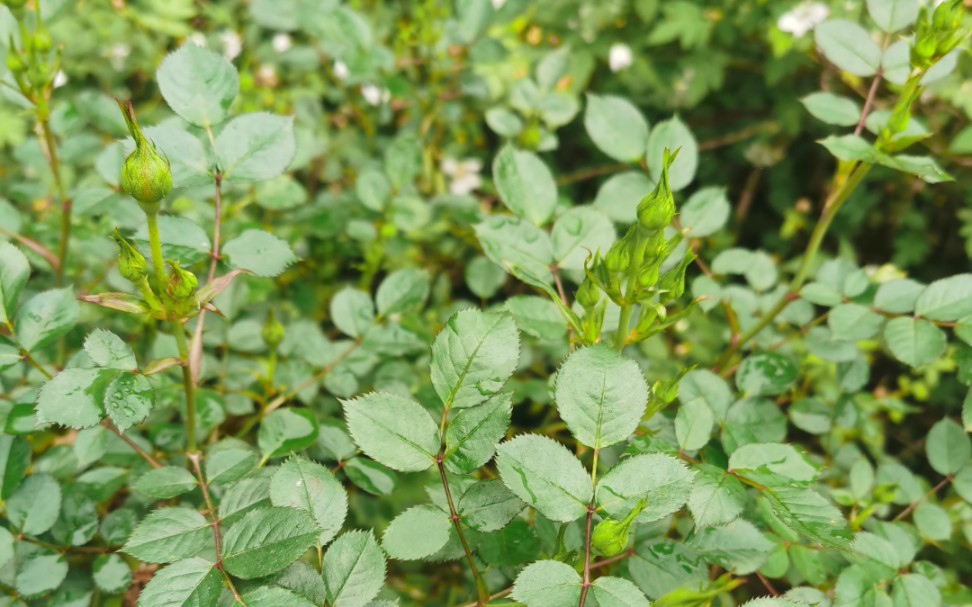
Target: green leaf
(850,148)
(765,373)
(915,590)
(402,291)
(925,167)
(472,435)
(309,486)
(226,465)
(932,522)
(601,395)
(191,582)
(9,357)
(893,15)
(755,460)
(854,322)
(613,591)
(673,134)
(738,547)
(525,184)
(544,474)
(518,246)
(266,540)
(191,160)
(129,399)
(488,506)
(705,386)
(537,316)
(45,317)
(15,455)
(580,233)
(14,272)
(74,398)
(403,161)
(706,212)
(111,574)
(255,147)
(108,350)
(848,46)
(370,476)
(809,514)
(260,253)
(616,126)
(753,420)
(693,425)
(274,596)
(948,299)
(504,122)
(354,570)
(6,546)
(664,481)
(285,431)
(418,532)
(35,505)
(547,584)
(832,109)
(352,311)
(198,84)
(948,447)
(483,277)
(618,197)
(394,430)
(914,341)
(473,356)
(717,498)
(39,571)
(170,534)
(898,296)
(373,190)
(165,482)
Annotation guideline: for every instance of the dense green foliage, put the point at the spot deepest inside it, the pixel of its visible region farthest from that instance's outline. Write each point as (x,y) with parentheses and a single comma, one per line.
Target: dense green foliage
(599,303)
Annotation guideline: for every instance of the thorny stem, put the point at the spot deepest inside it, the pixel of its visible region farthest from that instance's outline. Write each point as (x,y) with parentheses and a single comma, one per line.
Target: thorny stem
(944,483)
(141,452)
(482,591)
(204,487)
(53,160)
(589,526)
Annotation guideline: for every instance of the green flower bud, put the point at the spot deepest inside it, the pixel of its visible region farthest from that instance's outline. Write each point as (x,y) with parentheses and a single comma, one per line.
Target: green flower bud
(146,175)
(41,41)
(38,75)
(618,259)
(657,209)
(610,537)
(273,332)
(182,283)
(131,262)
(674,282)
(15,63)
(588,294)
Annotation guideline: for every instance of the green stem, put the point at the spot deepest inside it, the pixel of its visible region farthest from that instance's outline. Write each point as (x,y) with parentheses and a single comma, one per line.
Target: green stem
(624,322)
(831,208)
(155,242)
(188,385)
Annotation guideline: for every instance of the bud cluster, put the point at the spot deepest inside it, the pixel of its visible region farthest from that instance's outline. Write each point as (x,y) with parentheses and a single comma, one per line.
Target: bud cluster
(938,33)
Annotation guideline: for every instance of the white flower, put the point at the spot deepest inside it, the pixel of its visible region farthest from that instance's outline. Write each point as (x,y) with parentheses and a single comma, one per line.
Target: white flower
(498,4)
(463,175)
(232,44)
(198,38)
(117,55)
(374,95)
(60,79)
(281,43)
(341,70)
(267,76)
(803,18)
(620,57)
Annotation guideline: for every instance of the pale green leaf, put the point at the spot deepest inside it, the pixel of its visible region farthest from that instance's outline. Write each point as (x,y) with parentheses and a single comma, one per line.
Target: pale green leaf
(580,233)
(255,147)
(352,311)
(616,126)
(14,272)
(266,540)
(544,474)
(191,582)
(108,350)
(45,317)
(473,356)
(35,505)
(260,253)
(947,299)
(354,570)
(893,15)
(664,481)
(165,482)
(111,573)
(170,534)
(198,84)
(309,486)
(832,109)
(613,591)
(848,46)
(472,435)
(74,398)
(394,430)
(693,425)
(706,212)
(525,184)
(548,584)
(418,532)
(914,341)
(518,246)
(488,506)
(673,135)
(948,447)
(601,395)
(717,497)
(402,291)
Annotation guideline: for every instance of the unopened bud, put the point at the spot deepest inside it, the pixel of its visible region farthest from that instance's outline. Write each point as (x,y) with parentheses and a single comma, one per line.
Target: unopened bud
(131,262)
(610,537)
(588,294)
(146,175)
(182,283)
(273,332)
(41,40)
